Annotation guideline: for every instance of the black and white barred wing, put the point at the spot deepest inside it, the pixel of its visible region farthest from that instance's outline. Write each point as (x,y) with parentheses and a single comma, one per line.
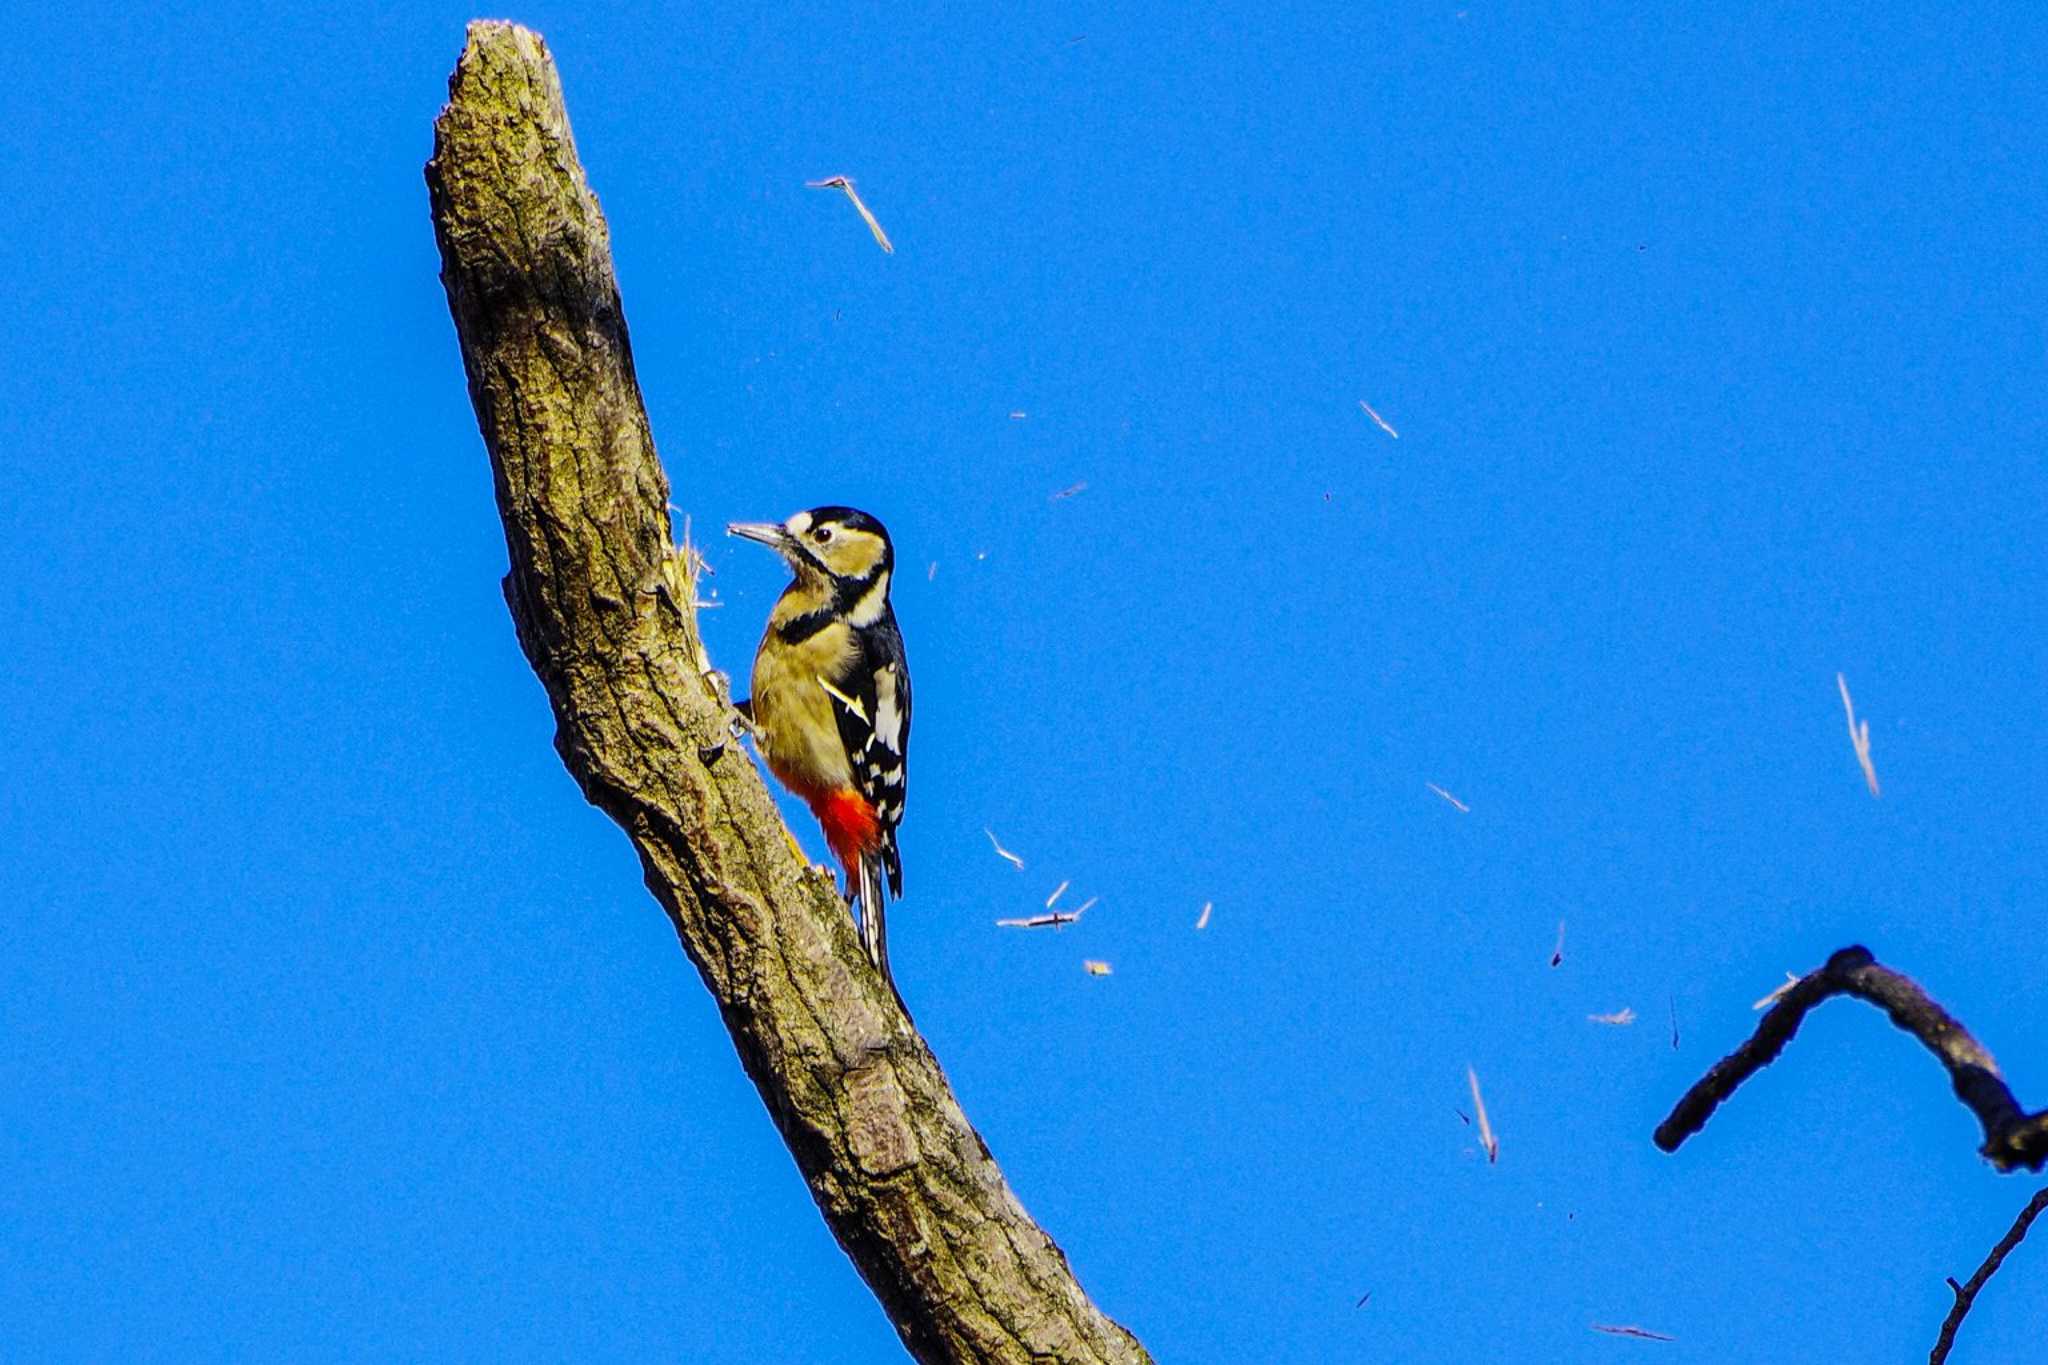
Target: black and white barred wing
(876,732)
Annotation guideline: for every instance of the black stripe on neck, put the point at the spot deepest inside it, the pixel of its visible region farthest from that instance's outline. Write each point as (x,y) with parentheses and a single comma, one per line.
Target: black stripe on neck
(798,629)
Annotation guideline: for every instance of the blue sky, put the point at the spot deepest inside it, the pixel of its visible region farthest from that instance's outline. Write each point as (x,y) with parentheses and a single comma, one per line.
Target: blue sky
(336,1025)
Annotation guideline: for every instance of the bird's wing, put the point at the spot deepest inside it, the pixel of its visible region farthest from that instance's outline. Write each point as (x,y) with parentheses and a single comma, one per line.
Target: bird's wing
(874,725)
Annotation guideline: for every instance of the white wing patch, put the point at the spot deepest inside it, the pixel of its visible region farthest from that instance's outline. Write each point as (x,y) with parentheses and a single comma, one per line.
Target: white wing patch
(888,711)
(879,762)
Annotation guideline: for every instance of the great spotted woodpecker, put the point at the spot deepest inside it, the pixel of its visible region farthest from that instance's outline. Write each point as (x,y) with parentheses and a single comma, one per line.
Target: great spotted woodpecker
(831,703)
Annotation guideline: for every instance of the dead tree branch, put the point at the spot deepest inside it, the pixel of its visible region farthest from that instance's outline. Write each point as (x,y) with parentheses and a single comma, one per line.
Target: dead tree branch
(2012,1137)
(603,607)
(1966,1294)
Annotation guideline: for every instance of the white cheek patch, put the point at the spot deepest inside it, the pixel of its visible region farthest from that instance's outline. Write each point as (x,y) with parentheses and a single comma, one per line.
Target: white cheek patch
(872,603)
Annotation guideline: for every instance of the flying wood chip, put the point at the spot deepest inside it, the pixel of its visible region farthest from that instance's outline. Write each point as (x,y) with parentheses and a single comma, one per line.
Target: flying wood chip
(1859,735)
(1640,1333)
(1463,809)
(840,182)
(1366,408)
(850,703)
(1001,852)
(1203,922)
(1486,1137)
(1775,996)
(1623,1016)
(1056,919)
(1095,968)
(1557,953)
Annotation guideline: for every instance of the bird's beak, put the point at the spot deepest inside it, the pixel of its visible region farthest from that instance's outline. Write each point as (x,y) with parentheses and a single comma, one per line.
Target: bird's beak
(768,533)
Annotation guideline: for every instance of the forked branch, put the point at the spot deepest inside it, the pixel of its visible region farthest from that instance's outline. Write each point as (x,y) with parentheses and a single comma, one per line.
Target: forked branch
(2013,1138)
(604,611)
(1966,1294)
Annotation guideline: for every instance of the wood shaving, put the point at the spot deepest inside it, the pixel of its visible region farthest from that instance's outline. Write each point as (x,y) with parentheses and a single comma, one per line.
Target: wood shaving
(1057,919)
(1377,419)
(850,703)
(1775,996)
(1463,809)
(1001,852)
(1486,1137)
(840,182)
(1859,735)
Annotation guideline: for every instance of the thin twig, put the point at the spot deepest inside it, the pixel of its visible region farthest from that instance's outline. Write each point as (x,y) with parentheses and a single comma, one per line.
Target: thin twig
(2012,1137)
(1380,421)
(1966,1294)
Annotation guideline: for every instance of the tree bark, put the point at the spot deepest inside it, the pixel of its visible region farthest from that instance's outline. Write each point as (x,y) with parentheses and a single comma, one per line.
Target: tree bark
(604,609)
(2013,1138)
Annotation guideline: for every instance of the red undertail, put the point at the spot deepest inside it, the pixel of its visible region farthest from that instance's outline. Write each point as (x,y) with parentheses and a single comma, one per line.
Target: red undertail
(850,826)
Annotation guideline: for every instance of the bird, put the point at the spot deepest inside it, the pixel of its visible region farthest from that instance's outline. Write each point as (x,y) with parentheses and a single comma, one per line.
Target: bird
(830,709)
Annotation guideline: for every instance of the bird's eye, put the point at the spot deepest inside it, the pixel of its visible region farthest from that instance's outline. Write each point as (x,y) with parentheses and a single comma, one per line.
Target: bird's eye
(823,535)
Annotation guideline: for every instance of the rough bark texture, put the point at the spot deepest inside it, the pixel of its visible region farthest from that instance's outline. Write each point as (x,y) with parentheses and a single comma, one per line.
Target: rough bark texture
(603,607)
(2013,1138)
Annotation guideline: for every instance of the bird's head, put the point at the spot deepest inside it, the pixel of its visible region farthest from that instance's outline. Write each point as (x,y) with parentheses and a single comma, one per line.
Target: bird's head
(838,545)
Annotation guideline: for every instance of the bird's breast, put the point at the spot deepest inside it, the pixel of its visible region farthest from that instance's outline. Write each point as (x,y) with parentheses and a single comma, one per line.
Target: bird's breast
(798,731)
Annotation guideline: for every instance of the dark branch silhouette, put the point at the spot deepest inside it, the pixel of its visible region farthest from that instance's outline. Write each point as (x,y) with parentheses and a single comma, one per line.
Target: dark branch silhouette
(604,608)
(1966,1294)
(2013,1138)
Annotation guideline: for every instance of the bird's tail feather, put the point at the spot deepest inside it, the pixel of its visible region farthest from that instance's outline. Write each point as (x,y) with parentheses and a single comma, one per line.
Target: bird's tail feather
(874,932)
